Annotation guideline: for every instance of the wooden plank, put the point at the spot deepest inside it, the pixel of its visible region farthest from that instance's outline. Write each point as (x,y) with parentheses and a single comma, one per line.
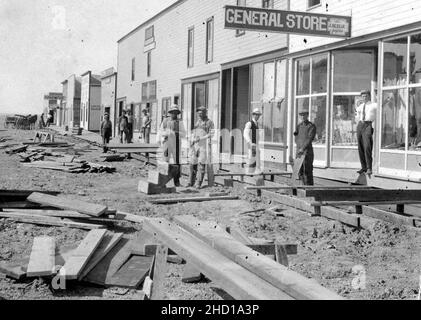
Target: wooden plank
(372,195)
(150,188)
(298,163)
(108,242)
(159,179)
(49,221)
(68,204)
(80,257)
(191,274)
(134,146)
(50,213)
(293,202)
(342,216)
(133,272)
(281,255)
(13,271)
(191,199)
(388,216)
(243,174)
(238,234)
(42,259)
(359,203)
(269,249)
(231,277)
(159,273)
(292,283)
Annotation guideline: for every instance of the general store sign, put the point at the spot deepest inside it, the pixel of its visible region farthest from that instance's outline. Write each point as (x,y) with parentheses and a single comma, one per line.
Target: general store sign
(269,20)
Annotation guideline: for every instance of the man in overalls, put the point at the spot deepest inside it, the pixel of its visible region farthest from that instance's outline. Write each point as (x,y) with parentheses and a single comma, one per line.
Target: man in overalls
(200,148)
(171,131)
(304,136)
(251,136)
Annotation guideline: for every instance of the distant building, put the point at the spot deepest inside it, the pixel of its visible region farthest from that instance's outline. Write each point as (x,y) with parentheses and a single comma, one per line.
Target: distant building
(71,101)
(90,112)
(108,95)
(52,103)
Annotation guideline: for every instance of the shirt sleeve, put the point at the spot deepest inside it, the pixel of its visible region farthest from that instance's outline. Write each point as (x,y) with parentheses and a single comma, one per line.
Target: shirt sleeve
(310,137)
(247,131)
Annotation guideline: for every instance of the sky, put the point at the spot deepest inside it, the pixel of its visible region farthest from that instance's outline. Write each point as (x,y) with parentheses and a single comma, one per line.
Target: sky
(43,42)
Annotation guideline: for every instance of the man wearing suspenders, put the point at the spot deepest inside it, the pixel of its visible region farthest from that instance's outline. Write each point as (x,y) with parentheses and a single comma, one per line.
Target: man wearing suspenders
(251,136)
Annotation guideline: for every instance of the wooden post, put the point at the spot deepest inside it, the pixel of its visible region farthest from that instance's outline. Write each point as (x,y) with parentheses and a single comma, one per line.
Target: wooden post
(359,209)
(400,208)
(281,254)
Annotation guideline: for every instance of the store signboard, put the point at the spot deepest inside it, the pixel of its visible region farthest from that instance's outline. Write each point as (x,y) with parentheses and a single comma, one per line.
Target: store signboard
(53,96)
(268,20)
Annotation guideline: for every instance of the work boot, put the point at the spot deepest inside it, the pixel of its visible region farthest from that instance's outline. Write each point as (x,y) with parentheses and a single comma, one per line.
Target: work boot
(201,176)
(177,177)
(192,174)
(361,171)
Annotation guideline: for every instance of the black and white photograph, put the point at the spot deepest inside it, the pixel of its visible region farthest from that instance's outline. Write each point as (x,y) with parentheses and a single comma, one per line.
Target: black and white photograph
(218,152)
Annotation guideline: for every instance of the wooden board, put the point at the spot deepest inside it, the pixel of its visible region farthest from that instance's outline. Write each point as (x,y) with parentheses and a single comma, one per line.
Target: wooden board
(225,273)
(191,199)
(133,272)
(50,213)
(362,195)
(13,271)
(359,203)
(80,257)
(134,146)
(281,255)
(292,201)
(159,179)
(269,249)
(243,174)
(42,259)
(191,274)
(342,216)
(159,273)
(108,242)
(292,283)
(68,204)
(298,163)
(390,217)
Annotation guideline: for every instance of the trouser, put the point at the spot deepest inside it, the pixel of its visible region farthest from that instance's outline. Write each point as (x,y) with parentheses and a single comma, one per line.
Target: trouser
(129,132)
(172,150)
(199,159)
(105,142)
(146,132)
(365,144)
(253,160)
(123,133)
(306,171)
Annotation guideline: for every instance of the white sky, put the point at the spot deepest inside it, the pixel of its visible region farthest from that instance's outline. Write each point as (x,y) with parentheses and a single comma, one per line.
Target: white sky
(42,42)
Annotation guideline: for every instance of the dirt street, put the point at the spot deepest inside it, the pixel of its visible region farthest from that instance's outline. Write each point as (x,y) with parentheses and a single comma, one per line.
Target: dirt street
(380,263)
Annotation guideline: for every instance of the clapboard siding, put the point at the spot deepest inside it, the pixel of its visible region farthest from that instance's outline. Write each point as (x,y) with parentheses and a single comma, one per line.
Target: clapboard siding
(169,58)
(367,17)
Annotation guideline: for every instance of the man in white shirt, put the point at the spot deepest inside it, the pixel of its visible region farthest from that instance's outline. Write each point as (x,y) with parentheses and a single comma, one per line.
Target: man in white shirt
(251,136)
(366,114)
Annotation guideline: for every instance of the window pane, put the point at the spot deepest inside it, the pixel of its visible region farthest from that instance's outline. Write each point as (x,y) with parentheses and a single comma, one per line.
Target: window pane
(414,127)
(415,59)
(319,74)
(303,77)
(257,82)
(395,62)
(344,123)
(352,71)
(281,72)
(267,121)
(318,117)
(394,119)
(279,117)
(269,82)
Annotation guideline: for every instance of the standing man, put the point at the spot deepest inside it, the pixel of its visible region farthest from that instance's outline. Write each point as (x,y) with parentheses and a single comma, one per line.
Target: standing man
(146,126)
(200,148)
(106,132)
(304,136)
(251,135)
(123,126)
(129,126)
(366,114)
(171,131)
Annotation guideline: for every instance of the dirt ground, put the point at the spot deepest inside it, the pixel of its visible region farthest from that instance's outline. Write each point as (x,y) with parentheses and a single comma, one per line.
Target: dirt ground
(380,263)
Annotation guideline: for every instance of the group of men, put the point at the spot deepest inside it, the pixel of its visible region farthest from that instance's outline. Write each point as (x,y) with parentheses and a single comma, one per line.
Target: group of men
(200,141)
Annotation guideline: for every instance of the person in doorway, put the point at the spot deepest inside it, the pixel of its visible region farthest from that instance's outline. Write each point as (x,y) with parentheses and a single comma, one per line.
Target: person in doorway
(123,126)
(304,136)
(200,148)
(130,128)
(146,126)
(49,119)
(171,131)
(106,132)
(251,136)
(366,114)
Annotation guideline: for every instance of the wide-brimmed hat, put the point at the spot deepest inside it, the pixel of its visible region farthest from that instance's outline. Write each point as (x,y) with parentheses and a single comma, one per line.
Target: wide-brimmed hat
(174,109)
(203,109)
(257,111)
(365,92)
(303,110)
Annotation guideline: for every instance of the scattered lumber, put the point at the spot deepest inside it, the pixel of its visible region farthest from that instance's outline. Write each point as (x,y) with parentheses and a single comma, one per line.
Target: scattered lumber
(269,249)
(107,244)
(372,195)
(192,199)
(159,273)
(48,221)
(14,271)
(113,158)
(17,149)
(50,213)
(243,174)
(190,274)
(390,217)
(289,281)
(231,277)
(150,188)
(284,187)
(42,259)
(134,146)
(133,272)
(68,204)
(80,257)
(360,203)
(281,254)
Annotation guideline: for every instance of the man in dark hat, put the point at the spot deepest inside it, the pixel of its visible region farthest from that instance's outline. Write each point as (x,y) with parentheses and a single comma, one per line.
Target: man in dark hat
(106,132)
(200,148)
(366,114)
(251,136)
(171,131)
(304,136)
(146,126)
(123,127)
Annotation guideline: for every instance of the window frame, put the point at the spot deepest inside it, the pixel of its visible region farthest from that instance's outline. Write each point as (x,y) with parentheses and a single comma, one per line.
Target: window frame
(166,101)
(268,4)
(133,74)
(190,44)
(309,7)
(148,63)
(152,36)
(210,55)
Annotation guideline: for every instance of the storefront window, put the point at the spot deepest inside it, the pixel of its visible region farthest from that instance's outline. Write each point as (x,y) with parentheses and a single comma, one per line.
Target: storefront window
(269,81)
(394,119)
(415,59)
(319,74)
(318,117)
(303,77)
(395,62)
(353,71)
(257,82)
(414,124)
(344,123)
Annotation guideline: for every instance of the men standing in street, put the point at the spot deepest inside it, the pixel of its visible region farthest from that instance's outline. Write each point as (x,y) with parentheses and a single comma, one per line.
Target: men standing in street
(171,131)
(146,126)
(123,126)
(200,148)
(251,136)
(304,136)
(366,114)
(106,132)
(129,126)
